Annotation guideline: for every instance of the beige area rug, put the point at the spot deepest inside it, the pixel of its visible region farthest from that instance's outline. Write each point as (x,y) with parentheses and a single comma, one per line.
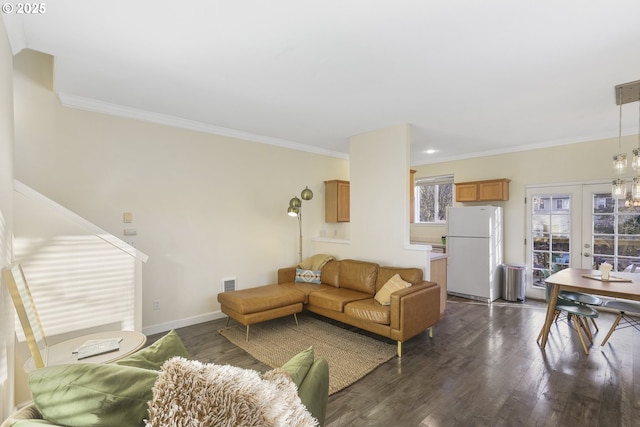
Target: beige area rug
(351,356)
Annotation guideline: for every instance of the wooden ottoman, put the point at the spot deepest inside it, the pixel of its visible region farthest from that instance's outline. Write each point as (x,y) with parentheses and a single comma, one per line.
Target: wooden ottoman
(249,306)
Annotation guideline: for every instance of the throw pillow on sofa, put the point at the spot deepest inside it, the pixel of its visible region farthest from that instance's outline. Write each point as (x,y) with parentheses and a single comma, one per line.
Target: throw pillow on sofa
(85,394)
(298,366)
(308,276)
(153,356)
(383,296)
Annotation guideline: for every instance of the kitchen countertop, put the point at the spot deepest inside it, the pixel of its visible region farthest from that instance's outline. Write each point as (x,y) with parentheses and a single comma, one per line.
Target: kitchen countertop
(438,249)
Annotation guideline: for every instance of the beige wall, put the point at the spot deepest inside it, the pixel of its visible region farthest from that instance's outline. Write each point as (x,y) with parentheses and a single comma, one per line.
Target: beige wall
(6,222)
(576,163)
(379,165)
(205,207)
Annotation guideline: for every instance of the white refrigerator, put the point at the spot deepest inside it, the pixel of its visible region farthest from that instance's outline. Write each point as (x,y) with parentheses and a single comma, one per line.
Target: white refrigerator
(474,249)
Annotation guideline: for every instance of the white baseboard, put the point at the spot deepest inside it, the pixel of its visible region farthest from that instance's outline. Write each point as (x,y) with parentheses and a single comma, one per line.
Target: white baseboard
(181,323)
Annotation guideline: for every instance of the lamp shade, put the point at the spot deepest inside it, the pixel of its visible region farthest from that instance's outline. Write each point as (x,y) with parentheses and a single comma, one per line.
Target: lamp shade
(291,211)
(306,194)
(295,203)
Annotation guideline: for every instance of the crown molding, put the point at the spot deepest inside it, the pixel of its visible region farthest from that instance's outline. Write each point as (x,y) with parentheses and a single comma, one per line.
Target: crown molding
(519,148)
(89,104)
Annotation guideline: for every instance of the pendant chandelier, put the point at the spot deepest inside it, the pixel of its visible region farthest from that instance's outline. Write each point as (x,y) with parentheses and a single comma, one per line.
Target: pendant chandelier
(629,201)
(620,159)
(628,92)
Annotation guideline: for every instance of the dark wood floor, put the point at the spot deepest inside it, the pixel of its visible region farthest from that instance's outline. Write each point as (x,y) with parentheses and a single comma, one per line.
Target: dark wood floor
(482,368)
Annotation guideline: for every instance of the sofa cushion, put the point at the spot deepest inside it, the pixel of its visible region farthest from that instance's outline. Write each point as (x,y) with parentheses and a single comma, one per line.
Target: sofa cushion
(153,356)
(369,310)
(307,276)
(331,274)
(358,276)
(335,298)
(298,366)
(260,299)
(411,275)
(383,296)
(85,394)
(306,288)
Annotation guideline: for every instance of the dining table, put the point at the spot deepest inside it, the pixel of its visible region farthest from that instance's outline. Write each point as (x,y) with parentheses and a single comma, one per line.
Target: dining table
(619,285)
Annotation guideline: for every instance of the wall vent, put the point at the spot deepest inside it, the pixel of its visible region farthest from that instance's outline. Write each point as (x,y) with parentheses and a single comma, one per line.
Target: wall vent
(229,284)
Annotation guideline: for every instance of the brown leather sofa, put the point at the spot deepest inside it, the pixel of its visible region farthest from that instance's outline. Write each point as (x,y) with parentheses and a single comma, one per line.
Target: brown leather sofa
(346,293)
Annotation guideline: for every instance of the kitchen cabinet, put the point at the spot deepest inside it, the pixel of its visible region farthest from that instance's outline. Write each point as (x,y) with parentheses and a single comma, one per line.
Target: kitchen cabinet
(336,201)
(483,191)
(439,275)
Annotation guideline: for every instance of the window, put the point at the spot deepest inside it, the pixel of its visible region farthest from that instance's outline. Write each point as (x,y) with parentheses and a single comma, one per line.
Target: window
(432,197)
(616,233)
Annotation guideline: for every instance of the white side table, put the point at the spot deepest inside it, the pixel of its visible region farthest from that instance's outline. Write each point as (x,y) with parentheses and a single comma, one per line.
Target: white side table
(63,353)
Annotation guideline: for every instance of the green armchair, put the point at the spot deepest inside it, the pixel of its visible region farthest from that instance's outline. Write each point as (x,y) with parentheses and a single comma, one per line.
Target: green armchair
(118,394)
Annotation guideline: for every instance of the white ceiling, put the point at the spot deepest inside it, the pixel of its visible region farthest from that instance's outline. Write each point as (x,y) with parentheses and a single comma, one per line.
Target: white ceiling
(472,77)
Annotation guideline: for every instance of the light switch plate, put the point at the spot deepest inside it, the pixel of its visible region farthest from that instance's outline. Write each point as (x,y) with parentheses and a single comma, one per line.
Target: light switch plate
(127,217)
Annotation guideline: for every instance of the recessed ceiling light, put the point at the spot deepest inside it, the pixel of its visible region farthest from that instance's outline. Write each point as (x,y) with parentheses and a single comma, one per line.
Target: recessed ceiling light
(430,151)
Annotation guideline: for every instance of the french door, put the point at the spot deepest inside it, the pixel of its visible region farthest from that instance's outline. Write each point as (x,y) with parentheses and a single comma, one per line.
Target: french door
(612,229)
(578,226)
(553,232)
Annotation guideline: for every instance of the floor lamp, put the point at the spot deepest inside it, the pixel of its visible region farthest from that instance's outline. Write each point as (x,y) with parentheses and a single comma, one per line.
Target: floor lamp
(295,209)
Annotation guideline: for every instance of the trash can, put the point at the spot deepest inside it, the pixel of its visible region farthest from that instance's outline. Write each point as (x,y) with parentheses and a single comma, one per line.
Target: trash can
(513,282)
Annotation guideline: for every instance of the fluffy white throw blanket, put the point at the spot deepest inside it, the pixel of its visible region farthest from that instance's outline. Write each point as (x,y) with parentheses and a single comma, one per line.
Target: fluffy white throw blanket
(192,394)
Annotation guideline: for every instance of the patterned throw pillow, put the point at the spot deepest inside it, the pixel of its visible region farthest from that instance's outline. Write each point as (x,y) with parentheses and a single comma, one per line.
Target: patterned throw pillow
(308,276)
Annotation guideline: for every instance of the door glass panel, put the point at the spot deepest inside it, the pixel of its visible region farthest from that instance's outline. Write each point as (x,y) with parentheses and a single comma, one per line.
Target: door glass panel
(603,224)
(616,232)
(603,203)
(560,223)
(550,234)
(628,224)
(560,242)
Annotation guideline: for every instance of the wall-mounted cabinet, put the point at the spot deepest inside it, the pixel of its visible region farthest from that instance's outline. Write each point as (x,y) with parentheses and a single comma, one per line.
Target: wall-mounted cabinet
(336,201)
(483,191)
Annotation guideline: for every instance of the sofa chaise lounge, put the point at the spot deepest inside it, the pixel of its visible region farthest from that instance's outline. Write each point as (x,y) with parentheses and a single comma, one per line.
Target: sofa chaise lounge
(347,291)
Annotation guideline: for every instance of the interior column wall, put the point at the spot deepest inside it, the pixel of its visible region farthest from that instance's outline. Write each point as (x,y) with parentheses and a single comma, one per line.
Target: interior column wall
(7,336)
(379,189)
